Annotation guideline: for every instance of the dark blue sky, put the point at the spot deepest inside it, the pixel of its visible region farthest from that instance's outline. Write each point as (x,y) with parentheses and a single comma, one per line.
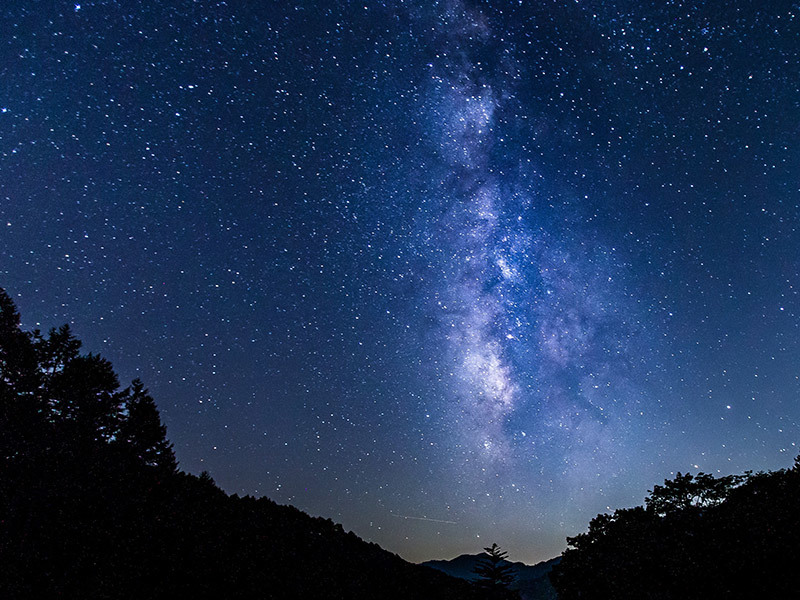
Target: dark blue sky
(448,273)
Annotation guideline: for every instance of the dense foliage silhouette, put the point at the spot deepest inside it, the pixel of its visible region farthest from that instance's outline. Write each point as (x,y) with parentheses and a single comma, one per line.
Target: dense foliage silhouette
(92,504)
(701,537)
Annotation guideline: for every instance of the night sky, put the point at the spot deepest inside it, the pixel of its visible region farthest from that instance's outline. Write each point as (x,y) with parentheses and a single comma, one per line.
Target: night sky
(448,273)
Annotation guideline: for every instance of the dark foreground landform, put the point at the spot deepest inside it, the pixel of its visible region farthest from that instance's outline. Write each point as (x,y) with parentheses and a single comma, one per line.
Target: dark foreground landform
(93,505)
(696,537)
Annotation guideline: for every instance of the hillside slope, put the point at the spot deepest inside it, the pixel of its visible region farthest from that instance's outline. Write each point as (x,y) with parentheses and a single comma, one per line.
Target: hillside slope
(92,504)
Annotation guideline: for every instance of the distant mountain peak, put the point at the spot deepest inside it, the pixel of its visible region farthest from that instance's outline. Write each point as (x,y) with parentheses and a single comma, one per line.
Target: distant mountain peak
(531,580)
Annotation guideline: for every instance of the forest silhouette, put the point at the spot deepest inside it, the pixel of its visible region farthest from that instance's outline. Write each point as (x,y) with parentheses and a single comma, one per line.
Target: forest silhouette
(93,505)
(703,537)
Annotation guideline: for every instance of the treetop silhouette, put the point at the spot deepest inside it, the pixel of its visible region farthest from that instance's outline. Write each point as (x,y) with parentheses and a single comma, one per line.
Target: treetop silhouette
(495,573)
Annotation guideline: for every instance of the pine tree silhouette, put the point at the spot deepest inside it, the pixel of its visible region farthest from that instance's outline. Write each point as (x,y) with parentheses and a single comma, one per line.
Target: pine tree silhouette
(142,434)
(495,572)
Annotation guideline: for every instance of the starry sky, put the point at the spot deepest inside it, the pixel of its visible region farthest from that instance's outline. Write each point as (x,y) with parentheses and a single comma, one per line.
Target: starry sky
(449,273)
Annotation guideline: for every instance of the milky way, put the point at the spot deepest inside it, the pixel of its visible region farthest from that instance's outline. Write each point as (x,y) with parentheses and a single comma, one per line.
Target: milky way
(449,273)
(529,320)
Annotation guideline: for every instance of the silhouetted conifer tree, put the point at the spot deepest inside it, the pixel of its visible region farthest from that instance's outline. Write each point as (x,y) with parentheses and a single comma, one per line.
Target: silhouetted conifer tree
(141,432)
(85,396)
(206,479)
(17,355)
(57,349)
(496,574)
(21,407)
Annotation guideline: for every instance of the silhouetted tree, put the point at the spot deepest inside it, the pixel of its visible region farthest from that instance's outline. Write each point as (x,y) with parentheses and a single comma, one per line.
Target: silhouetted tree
(206,479)
(686,491)
(141,432)
(495,573)
(57,349)
(21,407)
(18,362)
(85,397)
